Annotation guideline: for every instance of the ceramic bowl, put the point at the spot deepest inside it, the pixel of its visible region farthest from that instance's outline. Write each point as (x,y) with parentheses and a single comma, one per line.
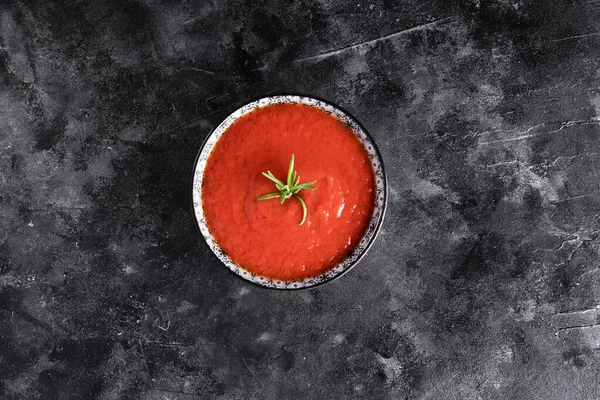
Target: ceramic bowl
(380,198)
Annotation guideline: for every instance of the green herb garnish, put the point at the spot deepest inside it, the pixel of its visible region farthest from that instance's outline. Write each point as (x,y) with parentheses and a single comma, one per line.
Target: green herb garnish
(292,188)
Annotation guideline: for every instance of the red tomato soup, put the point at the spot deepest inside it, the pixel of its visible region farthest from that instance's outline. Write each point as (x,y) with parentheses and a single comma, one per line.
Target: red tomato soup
(264,237)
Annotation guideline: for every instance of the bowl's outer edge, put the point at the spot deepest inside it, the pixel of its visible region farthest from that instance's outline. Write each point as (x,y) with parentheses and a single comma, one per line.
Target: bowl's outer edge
(375,224)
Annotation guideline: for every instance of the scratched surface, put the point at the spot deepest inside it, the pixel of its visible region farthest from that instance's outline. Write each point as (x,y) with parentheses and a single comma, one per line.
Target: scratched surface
(483,284)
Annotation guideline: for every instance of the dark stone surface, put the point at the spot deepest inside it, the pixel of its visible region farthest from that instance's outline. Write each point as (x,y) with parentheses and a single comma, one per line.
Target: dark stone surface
(483,284)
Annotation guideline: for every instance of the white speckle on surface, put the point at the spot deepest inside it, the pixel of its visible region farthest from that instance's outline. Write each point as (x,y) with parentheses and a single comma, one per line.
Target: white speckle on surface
(30,224)
(185,306)
(244,291)
(392,368)
(394,195)
(595,100)
(339,339)
(265,337)
(129,269)
(527,311)
(504,354)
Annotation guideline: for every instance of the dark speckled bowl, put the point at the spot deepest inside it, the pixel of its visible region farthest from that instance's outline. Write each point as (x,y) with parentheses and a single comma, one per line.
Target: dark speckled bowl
(371,232)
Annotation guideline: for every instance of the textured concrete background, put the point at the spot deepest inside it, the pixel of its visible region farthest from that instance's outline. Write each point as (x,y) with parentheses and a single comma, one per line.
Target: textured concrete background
(483,284)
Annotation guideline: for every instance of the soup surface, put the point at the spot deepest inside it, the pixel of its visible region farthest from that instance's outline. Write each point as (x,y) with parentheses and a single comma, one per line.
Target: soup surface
(264,237)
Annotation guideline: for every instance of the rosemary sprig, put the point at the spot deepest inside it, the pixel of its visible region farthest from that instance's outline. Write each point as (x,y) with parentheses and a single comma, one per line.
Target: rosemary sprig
(289,189)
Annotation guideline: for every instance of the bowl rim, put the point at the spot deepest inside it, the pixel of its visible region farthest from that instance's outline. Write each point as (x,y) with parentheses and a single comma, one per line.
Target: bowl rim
(381,190)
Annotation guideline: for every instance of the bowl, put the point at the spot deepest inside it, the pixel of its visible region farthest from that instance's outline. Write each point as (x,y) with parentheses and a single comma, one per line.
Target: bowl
(373,227)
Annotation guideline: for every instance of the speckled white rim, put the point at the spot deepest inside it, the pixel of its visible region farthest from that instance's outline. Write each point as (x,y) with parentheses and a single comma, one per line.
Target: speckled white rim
(365,242)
